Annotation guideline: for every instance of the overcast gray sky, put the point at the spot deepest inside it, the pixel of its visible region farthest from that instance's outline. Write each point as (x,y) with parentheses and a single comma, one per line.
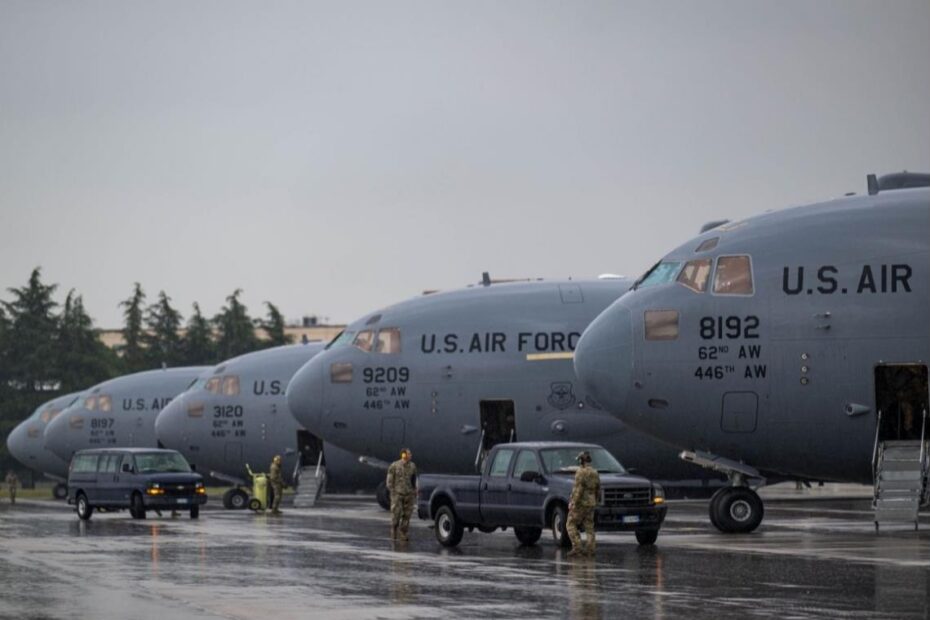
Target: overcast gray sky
(338,157)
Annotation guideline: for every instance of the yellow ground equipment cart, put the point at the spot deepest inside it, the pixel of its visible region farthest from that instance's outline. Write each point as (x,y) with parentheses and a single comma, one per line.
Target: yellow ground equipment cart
(259,501)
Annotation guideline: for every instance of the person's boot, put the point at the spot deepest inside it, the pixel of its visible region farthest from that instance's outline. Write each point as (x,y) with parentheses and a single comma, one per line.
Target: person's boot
(575,552)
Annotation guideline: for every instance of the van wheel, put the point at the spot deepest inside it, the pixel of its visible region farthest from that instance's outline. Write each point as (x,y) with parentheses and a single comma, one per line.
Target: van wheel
(559,531)
(449,530)
(383,496)
(528,535)
(137,507)
(60,491)
(84,510)
(647,537)
(235,499)
(195,511)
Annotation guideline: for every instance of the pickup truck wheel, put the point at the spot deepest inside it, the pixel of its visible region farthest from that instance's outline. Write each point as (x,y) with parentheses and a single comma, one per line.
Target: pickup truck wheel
(528,535)
(84,510)
(647,537)
(449,530)
(559,521)
(137,507)
(383,496)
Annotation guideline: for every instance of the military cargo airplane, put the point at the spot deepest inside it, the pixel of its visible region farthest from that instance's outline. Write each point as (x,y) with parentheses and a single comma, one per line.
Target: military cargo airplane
(27,444)
(119,412)
(451,374)
(793,344)
(235,415)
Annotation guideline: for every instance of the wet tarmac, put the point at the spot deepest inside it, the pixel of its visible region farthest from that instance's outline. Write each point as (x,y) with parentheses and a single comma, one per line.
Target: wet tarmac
(810,559)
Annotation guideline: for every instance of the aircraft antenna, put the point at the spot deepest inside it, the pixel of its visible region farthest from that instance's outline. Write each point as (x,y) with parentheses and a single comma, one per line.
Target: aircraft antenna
(486,279)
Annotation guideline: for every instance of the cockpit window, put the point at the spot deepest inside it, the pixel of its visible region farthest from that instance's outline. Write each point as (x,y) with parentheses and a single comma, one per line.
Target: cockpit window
(90,403)
(364,340)
(231,385)
(695,274)
(661,324)
(388,340)
(105,402)
(49,414)
(213,385)
(733,276)
(660,274)
(342,338)
(707,244)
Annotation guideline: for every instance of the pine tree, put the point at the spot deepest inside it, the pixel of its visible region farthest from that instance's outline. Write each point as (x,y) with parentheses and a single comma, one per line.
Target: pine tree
(273,327)
(162,341)
(132,350)
(83,360)
(31,333)
(198,344)
(236,332)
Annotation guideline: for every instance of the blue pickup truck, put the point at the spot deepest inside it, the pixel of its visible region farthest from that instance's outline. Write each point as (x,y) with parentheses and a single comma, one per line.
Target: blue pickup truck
(527,486)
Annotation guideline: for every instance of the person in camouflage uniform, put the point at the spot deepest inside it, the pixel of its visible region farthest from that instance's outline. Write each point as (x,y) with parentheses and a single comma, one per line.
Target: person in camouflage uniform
(12,482)
(401,481)
(276,480)
(585,495)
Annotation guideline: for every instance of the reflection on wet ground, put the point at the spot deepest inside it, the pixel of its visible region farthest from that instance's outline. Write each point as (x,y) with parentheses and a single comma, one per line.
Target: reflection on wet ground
(811,558)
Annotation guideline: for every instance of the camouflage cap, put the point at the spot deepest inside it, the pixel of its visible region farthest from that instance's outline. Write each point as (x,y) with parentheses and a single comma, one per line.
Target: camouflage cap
(583,457)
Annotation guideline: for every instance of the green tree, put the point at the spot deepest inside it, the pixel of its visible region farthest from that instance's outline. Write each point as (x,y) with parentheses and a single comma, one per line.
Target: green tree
(236,334)
(132,350)
(273,326)
(30,336)
(163,346)
(82,359)
(198,344)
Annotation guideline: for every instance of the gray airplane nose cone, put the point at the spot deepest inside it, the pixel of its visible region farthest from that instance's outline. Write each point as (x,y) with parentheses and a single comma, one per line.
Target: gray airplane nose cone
(604,359)
(16,444)
(305,396)
(169,423)
(57,439)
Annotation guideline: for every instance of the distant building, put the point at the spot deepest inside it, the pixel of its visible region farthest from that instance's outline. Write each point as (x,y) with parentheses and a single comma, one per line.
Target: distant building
(113,338)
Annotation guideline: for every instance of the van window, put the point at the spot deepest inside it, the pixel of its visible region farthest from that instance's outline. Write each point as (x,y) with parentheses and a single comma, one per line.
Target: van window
(695,274)
(109,463)
(161,462)
(84,463)
(501,463)
(526,461)
(733,276)
(388,340)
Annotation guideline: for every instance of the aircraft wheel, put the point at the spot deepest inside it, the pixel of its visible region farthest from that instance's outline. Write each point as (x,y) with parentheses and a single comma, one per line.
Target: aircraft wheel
(137,507)
(195,511)
(647,537)
(449,530)
(383,496)
(235,499)
(528,535)
(712,507)
(559,531)
(739,510)
(84,509)
(60,491)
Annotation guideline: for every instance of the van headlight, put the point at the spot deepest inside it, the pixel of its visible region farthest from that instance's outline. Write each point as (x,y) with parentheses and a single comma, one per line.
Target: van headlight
(658,494)
(154,488)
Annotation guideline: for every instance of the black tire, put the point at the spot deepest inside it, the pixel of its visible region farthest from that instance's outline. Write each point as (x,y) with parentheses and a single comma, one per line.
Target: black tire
(238,499)
(195,511)
(254,504)
(60,491)
(557,524)
(137,507)
(528,535)
(712,507)
(647,537)
(83,508)
(739,510)
(487,529)
(449,530)
(383,496)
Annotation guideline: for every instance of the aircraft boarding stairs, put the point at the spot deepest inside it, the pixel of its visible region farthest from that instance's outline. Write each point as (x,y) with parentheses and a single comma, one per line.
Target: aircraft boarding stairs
(310,484)
(901,477)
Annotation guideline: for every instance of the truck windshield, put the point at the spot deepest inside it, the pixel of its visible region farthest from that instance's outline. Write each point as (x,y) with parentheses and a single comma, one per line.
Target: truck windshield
(161,463)
(564,460)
